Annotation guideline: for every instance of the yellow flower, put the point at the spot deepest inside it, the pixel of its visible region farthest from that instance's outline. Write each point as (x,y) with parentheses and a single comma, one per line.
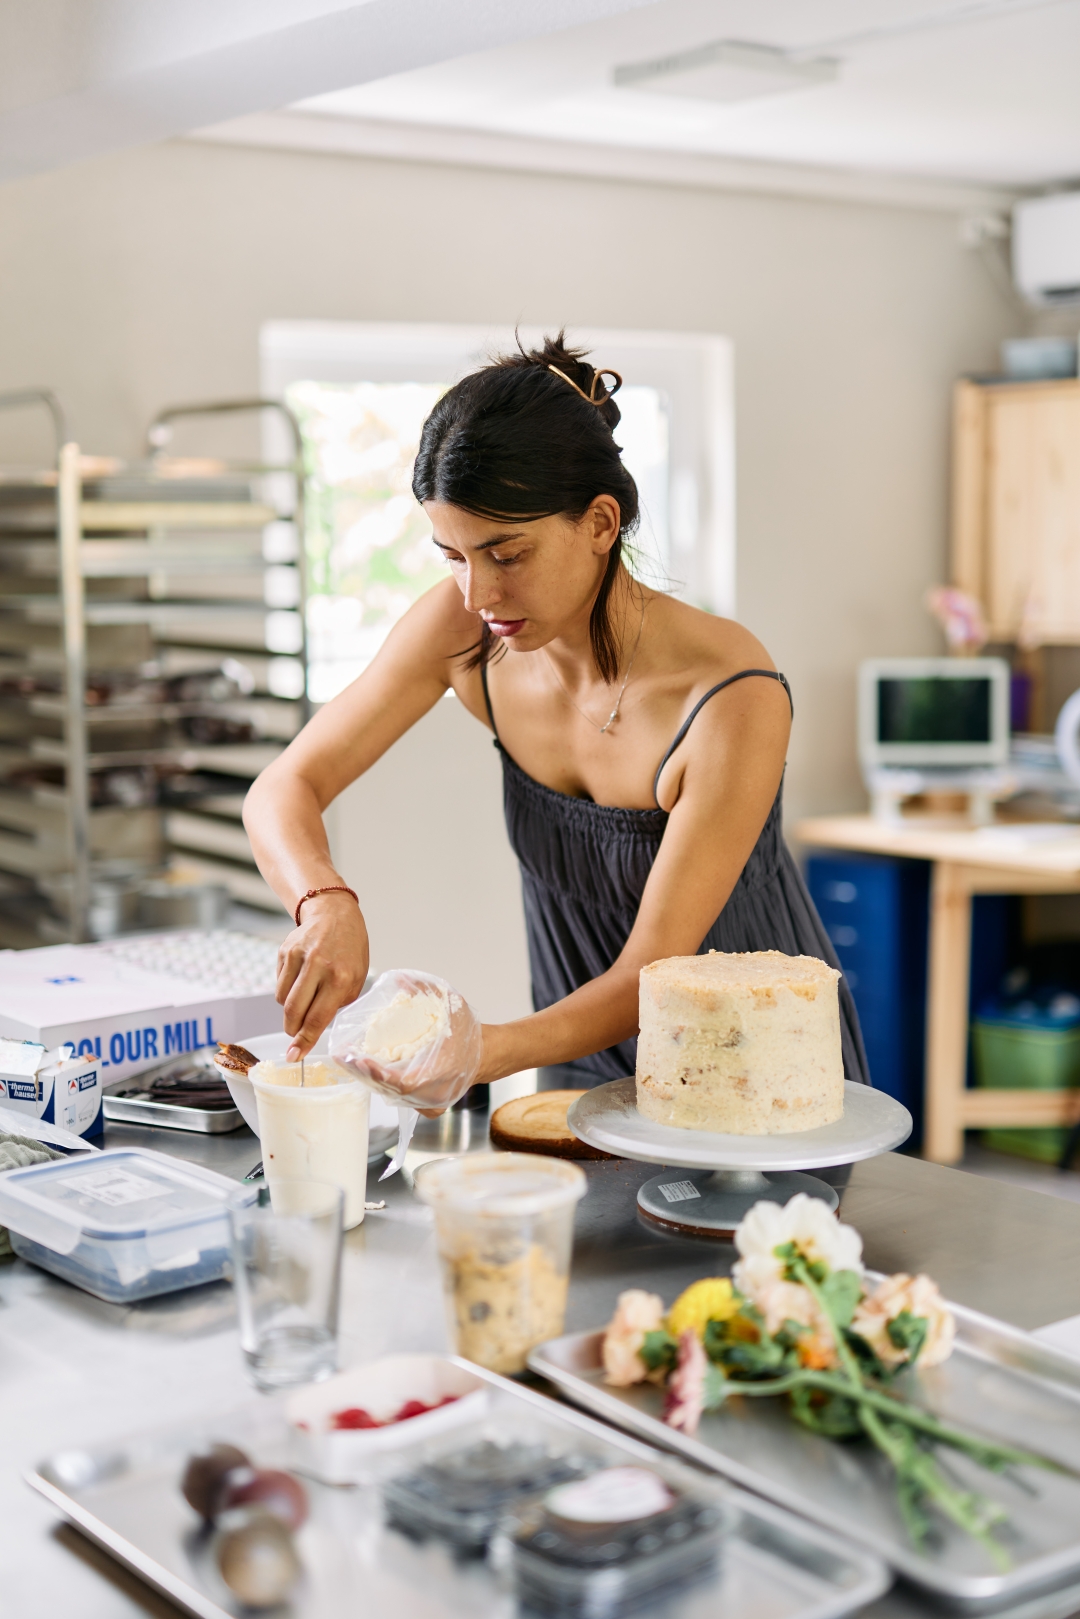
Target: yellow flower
(711,1299)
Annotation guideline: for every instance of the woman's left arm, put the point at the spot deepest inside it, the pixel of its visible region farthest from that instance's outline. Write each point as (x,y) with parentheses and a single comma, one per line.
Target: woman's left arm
(732,764)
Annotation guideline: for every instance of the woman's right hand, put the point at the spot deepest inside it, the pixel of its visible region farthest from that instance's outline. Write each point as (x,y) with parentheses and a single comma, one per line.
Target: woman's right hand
(322,966)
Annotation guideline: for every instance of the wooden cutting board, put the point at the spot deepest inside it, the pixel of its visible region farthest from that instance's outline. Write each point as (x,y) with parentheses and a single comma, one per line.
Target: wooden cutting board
(538,1124)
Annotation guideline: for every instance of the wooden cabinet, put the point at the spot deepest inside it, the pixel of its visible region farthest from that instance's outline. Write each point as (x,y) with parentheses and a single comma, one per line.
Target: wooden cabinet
(1016,507)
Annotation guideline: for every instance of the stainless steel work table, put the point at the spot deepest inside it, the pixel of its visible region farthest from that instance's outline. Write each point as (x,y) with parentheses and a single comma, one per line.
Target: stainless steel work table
(74,1370)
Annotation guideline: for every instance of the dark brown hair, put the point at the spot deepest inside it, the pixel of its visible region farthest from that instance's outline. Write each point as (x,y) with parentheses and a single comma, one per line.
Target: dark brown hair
(515,439)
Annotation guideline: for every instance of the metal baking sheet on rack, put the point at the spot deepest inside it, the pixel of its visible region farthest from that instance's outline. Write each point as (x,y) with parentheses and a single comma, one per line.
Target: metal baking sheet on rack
(999,1382)
(607,1117)
(127,1498)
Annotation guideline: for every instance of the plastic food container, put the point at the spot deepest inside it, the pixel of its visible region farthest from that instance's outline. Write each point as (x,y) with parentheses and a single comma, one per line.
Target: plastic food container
(340,1454)
(123,1225)
(504,1224)
(612,1543)
(464,1495)
(316,1130)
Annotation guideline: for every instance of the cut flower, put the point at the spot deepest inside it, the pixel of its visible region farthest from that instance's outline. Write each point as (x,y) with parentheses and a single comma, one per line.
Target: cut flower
(916,1297)
(780,1301)
(711,1299)
(686,1386)
(804,1221)
(636,1313)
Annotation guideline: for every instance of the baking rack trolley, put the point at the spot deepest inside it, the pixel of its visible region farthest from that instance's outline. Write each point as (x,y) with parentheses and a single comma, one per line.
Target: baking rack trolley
(709,1181)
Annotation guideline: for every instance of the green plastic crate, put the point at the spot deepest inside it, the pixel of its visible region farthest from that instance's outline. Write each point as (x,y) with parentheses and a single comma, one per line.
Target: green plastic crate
(1010,1056)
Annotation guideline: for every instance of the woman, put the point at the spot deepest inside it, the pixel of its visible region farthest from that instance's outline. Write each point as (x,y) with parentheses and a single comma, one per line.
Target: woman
(642,740)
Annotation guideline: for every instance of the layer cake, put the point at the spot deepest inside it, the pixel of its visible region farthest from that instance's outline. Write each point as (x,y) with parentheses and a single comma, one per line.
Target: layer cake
(741,1044)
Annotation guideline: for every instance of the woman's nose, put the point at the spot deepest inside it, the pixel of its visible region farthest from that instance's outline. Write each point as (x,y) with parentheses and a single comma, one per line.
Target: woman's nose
(481,590)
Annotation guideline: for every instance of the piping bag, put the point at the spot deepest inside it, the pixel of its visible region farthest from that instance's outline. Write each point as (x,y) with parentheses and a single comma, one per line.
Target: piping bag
(414,1041)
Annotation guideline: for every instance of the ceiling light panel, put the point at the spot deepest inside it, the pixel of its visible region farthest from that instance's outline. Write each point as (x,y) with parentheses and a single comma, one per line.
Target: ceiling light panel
(728,70)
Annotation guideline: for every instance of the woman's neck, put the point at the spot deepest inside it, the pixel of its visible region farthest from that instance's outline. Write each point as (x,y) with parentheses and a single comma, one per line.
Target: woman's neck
(571,652)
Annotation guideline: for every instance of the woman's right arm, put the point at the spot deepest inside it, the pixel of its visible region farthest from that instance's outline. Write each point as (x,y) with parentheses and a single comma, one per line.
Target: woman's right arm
(323,963)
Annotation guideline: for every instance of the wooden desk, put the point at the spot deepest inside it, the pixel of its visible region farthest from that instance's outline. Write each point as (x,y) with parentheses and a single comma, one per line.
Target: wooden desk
(991,860)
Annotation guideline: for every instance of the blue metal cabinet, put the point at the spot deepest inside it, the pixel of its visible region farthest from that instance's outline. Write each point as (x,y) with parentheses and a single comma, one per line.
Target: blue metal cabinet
(875,912)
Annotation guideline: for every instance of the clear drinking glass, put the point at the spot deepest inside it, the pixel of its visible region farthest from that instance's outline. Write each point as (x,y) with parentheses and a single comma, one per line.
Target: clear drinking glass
(286,1252)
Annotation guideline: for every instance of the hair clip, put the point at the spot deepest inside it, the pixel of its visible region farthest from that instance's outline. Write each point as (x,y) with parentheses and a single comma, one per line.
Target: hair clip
(590,397)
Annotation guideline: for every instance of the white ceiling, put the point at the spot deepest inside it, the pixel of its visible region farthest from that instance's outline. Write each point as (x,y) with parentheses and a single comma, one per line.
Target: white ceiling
(79,77)
(979,91)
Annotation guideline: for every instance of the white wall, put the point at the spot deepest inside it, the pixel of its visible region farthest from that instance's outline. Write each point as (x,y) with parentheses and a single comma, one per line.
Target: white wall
(422,840)
(143,278)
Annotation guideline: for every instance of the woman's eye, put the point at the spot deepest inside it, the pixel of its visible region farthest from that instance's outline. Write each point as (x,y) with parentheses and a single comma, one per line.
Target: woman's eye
(504,561)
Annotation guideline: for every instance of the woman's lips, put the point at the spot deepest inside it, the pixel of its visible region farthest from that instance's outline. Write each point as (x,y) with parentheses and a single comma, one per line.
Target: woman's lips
(505,627)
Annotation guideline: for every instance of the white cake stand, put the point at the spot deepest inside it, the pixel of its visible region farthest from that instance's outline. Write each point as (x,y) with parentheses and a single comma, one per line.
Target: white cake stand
(733,1172)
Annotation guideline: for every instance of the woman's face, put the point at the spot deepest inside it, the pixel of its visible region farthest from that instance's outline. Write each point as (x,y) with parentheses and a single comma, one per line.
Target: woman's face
(529,581)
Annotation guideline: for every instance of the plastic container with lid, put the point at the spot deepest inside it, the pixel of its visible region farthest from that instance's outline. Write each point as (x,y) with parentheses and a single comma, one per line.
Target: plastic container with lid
(612,1543)
(125,1224)
(504,1225)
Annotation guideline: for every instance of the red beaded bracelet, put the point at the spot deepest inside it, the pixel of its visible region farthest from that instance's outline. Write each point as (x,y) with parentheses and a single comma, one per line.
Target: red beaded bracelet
(313,893)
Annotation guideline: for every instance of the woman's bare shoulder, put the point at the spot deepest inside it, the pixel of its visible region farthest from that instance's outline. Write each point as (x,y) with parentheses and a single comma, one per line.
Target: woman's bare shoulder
(708,647)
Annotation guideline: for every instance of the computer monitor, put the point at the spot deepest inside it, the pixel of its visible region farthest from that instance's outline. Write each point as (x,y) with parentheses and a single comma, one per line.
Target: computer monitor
(933,712)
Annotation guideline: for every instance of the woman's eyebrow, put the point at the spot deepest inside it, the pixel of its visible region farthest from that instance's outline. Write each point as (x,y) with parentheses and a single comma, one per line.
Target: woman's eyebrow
(485,545)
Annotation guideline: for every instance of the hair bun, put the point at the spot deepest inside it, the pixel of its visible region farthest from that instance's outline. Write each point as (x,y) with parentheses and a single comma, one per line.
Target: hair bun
(571,365)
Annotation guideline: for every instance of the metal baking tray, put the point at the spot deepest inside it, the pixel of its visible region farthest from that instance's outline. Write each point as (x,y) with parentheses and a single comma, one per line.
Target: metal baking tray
(136,1106)
(126,1498)
(999,1381)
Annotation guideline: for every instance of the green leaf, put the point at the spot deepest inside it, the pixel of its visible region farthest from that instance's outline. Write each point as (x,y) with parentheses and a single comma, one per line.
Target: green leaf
(764,1359)
(716,1339)
(842,1290)
(715,1388)
(659,1351)
(829,1414)
(870,1363)
(908,1332)
(793,1259)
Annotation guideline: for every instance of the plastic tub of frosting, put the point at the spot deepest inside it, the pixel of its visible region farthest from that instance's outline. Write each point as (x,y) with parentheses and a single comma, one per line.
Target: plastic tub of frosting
(124,1225)
(341,1429)
(313,1126)
(504,1225)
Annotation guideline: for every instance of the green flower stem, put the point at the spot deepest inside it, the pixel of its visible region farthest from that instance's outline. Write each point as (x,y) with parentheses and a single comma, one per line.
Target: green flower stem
(969,1512)
(982,1451)
(915,1468)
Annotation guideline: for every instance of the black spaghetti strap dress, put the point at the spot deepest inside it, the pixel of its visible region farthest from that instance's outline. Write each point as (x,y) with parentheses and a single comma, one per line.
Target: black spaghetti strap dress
(584,867)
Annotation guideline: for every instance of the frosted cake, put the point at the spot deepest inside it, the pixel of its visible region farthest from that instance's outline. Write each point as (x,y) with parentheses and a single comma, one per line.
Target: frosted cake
(741,1044)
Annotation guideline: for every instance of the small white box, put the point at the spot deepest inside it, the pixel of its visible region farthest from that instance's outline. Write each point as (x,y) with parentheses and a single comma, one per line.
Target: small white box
(55,1086)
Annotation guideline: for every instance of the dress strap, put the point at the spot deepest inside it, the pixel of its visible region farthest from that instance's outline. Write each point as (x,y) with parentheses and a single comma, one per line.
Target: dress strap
(487,701)
(743,674)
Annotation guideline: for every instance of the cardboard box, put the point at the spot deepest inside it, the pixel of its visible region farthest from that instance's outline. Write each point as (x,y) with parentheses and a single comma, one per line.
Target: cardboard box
(118,1015)
(56,1087)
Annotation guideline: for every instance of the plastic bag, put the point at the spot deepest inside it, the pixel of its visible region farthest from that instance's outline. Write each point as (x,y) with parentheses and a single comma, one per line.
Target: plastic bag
(413,1040)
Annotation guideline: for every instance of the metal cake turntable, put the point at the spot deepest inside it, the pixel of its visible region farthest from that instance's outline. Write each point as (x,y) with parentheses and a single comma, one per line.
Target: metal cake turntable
(728,1174)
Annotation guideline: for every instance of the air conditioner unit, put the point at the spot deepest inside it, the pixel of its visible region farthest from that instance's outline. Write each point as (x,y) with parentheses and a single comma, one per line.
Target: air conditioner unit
(1046,248)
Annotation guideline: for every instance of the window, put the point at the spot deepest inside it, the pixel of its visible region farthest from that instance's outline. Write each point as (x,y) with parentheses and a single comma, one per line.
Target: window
(362,392)
(369,544)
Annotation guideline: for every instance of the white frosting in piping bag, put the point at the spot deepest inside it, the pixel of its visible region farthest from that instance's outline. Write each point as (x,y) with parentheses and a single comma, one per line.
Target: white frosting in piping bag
(412,1021)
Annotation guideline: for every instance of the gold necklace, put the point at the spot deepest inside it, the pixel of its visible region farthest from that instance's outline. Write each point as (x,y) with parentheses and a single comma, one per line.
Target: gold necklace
(613,716)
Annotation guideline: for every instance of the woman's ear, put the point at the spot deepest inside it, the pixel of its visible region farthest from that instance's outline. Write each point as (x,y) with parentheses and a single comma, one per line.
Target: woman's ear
(603,521)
